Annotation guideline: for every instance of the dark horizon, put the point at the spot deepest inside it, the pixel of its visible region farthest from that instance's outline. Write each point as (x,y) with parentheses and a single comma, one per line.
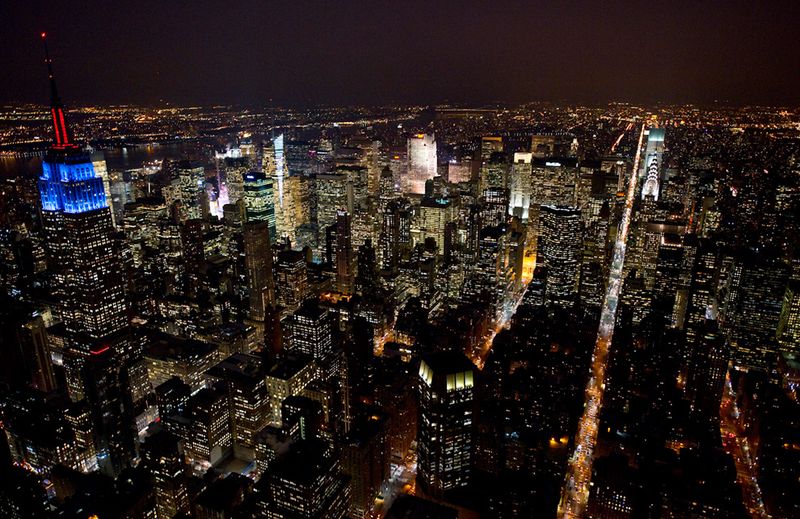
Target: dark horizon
(482,105)
(369,54)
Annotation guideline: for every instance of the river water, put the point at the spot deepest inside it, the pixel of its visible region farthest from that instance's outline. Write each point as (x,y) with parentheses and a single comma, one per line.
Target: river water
(117,159)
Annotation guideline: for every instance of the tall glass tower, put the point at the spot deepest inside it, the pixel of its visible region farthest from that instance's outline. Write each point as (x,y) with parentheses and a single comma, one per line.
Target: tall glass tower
(259,199)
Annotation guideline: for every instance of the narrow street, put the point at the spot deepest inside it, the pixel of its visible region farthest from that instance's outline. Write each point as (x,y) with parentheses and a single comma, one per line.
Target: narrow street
(737,445)
(401,481)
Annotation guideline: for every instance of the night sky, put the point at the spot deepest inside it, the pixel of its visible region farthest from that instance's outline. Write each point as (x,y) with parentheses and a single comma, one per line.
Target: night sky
(340,52)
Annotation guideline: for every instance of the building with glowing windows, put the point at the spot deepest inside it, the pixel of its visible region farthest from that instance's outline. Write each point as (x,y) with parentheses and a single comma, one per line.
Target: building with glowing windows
(652,164)
(244,378)
(788,332)
(545,145)
(161,454)
(289,377)
(614,489)
(305,483)
(89,285)
(445,436)
(490,144)
(365,459)
(210,438)
(554,182)
(345,260)
(259,200)
(707,368)
(310,330)
(332,196)
(434,215)
(491,277)
(291,279)
(559,250)
(520,186)
(753,308)
(36,433)
(395,233)
(284,187)
(234,169)
(651,185)
(191,183)
(421,162)
(169,356)
(258,265)
(494,173)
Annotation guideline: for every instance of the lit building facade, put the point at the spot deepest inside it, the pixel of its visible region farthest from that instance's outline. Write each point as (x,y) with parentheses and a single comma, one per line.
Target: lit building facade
(559,250)
(259,200)
(421,162)
(258,262)
(191,182)
(304,483)
(445,438)
(520,185)
(79,228)
(434,215)
(652,164)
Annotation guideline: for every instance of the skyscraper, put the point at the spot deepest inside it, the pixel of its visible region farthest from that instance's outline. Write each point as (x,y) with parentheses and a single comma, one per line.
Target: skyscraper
(708,365)
(753,308)
(310,331)
(78,223)
(365,459)
(421,162)
(305,483)
(259,200)
(788,332)
(520,185)
(652,164)
(291,279)
(235,169)
(24,347)
(332,196)
(191,182)
(244,378)
(258,260)
(445,438)
(367,269)
(161,454)
(210,438)
(394,226)
(491,279)
(434,215)
(494,172)
(490,144)
(559,249)
(344,253)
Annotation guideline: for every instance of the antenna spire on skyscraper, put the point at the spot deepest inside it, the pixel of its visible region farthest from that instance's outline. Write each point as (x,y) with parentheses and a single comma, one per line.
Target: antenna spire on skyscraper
(60,131)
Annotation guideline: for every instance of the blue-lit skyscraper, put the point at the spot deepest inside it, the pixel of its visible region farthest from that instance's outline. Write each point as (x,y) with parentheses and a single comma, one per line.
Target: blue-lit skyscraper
(79,226)
(88,284)
(69,184)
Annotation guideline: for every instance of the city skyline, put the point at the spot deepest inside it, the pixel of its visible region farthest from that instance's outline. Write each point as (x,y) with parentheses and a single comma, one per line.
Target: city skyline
(397,311)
